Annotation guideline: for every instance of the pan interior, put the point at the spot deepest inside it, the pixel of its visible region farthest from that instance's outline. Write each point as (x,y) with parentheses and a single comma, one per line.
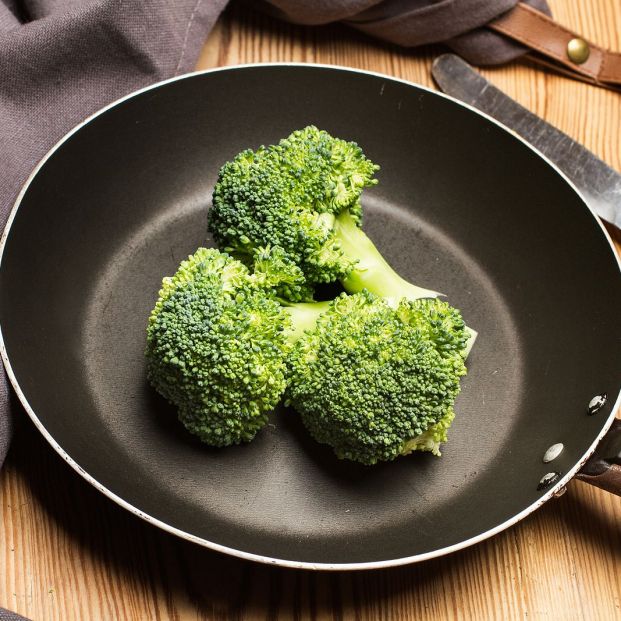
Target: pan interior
(462,207)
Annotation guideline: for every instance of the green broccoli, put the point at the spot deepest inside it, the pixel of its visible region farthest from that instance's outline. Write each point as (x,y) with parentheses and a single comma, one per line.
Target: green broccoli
(218,340)
(376,382)
(303,195)
(374,374)
(372,381)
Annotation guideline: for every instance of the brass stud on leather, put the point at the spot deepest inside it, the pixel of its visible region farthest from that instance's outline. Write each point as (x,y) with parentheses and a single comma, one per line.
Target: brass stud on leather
(578,51)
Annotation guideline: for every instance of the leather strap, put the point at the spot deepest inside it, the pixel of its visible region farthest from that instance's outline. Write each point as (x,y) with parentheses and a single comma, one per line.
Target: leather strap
(549,39)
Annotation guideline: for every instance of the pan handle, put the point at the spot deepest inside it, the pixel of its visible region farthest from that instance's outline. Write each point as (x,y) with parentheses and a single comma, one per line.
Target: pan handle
(603,468)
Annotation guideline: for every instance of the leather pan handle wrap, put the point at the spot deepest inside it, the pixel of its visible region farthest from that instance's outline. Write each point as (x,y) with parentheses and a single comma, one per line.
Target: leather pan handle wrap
(603,469)
(558,47)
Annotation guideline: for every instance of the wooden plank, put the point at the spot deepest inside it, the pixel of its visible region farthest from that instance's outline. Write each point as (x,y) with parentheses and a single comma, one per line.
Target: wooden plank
(66,552)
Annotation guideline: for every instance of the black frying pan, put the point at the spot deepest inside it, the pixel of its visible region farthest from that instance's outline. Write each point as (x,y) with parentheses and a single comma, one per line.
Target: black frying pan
(463,207)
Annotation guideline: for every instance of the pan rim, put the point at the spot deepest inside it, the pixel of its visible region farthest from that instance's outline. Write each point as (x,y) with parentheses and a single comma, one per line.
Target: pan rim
(551,492)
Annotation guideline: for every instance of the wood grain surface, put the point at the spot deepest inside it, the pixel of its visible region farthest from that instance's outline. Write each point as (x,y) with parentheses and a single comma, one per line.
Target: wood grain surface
(67,552)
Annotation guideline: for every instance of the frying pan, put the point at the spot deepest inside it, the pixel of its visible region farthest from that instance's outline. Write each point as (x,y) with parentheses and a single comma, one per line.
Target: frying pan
(463,206)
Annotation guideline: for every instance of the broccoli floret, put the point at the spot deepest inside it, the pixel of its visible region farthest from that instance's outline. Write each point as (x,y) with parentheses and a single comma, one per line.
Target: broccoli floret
(217,342)
(303,195)
(375,382)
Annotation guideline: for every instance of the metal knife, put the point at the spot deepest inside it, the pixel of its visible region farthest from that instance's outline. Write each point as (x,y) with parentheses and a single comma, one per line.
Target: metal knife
(599,184)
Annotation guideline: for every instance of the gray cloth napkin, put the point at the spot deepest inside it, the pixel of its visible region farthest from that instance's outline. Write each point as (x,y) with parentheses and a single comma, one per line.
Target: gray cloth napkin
(7,615)
(457,23)
(61,60)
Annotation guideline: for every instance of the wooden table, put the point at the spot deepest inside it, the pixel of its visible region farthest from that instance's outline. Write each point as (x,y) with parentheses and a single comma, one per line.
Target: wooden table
(67,552)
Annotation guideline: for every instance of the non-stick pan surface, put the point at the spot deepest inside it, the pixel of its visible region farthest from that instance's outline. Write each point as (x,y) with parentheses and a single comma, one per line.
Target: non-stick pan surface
(463,207)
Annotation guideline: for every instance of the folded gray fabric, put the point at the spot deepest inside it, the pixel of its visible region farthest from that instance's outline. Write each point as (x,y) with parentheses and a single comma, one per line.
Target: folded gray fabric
(61,60)
(410,23)
(6,615)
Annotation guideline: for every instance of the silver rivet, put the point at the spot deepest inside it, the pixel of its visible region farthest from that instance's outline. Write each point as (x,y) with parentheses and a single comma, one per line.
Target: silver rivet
(597,403)
(548,479)
(553,452)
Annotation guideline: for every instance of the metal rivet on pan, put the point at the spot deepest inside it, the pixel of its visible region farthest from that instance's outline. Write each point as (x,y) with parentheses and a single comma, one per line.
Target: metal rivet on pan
(548,479)
(558,493)
(597,403)
(553,452)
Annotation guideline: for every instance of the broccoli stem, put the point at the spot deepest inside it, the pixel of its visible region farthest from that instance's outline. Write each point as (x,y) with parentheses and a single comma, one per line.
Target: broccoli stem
(304,317)
(372,272)
(472,337)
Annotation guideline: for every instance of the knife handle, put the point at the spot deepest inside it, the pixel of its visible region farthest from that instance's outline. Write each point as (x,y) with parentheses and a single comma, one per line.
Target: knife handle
(558,47)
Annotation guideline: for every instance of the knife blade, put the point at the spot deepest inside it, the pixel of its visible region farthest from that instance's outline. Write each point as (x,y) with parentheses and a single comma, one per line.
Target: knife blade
(599,184)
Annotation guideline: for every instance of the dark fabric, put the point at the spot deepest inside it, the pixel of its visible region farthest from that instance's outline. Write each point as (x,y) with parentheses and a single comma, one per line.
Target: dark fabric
(6,615)
(6,420)
(410,23)
(61,60)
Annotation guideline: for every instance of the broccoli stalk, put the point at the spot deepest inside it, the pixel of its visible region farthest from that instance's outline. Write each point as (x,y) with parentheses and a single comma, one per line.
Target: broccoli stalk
(303,316)
(371,271)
